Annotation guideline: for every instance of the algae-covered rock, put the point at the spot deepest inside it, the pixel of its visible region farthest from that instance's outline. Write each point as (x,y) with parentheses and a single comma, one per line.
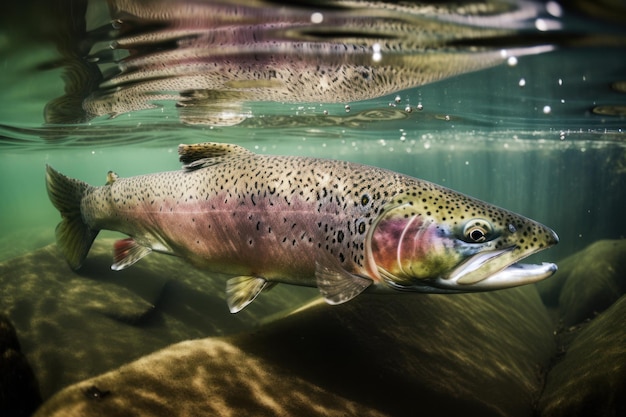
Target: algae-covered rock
(590,380)
(74,325)
(588,282)
(19,393)
(472,354)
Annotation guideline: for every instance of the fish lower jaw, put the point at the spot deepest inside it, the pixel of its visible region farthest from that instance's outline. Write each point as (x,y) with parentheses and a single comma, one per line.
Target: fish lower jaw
(512,276)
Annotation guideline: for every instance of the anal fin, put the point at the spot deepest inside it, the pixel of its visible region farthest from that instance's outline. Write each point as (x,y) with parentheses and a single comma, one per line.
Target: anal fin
(241,291)
(127,252)
(337,285)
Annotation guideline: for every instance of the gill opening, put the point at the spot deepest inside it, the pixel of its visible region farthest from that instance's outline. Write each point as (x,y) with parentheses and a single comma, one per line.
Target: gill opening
(401,241)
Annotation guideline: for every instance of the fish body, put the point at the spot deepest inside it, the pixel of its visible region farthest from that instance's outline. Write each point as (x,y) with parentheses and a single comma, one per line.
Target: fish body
(339,226)
(215,58)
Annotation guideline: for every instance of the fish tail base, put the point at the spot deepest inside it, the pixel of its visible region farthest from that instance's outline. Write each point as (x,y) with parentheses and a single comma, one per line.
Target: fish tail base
(74,237)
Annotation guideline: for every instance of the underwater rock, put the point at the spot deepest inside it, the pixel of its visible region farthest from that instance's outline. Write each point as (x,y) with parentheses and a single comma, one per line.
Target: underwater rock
(19,393)
(590,380)
(74,325)
(471,354)
(587,282)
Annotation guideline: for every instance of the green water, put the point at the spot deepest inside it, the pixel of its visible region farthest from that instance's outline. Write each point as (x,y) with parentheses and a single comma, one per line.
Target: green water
(543,135)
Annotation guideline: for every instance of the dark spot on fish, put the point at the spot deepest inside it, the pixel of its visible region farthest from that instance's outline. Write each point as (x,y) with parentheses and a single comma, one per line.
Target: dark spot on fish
(365,199)
(361,227)
(340,236)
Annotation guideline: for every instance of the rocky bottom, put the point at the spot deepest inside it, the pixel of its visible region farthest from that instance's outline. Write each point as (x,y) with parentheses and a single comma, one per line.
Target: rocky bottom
(157,340)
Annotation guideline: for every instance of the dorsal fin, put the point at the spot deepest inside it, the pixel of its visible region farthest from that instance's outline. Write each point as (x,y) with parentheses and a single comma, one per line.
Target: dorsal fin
(209,153)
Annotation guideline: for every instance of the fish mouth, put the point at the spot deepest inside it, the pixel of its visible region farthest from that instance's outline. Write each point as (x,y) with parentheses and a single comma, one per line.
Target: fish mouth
(515,275)
(495,269)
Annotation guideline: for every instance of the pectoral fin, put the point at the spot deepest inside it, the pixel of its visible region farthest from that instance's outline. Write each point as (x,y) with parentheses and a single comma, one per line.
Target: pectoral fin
(127,252)
(337,285)
(241,291)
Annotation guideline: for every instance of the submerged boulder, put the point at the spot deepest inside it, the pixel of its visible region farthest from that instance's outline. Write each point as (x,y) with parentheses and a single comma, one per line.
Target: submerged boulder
(19,393)
(590,380)
(587,282)
(472,354)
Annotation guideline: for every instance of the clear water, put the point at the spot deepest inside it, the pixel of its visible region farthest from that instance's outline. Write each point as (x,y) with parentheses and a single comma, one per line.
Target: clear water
(541,133)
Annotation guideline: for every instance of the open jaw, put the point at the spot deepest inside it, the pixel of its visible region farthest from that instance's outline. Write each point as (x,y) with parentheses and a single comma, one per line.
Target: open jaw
(495,269)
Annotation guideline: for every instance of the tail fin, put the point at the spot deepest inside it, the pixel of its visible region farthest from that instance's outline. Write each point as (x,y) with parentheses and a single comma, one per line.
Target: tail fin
(74,237)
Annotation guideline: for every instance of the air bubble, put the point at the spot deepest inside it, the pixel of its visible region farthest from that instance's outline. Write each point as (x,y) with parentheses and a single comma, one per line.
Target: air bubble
(420,107)
(376,55)
(512,61)
(541,25)
(554,8)
(408,109)
(347,107)
(522,82)
(317,18)
(547,109)
(398,99)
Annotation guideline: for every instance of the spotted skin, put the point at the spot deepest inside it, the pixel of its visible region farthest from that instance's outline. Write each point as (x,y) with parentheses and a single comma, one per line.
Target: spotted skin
(305,221)
(230,216)
(214,58)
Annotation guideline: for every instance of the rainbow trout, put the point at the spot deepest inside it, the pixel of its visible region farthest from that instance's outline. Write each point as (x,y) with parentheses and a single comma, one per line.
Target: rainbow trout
(340,226)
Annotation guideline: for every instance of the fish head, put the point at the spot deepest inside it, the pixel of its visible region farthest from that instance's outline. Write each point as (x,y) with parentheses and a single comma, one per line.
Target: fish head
(455,243)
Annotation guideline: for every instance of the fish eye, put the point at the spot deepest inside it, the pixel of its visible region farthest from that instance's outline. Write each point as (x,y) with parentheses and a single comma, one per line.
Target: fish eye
(477,231)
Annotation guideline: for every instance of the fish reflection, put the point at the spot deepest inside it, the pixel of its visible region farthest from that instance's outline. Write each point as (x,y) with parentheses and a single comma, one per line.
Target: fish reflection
(215,58)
